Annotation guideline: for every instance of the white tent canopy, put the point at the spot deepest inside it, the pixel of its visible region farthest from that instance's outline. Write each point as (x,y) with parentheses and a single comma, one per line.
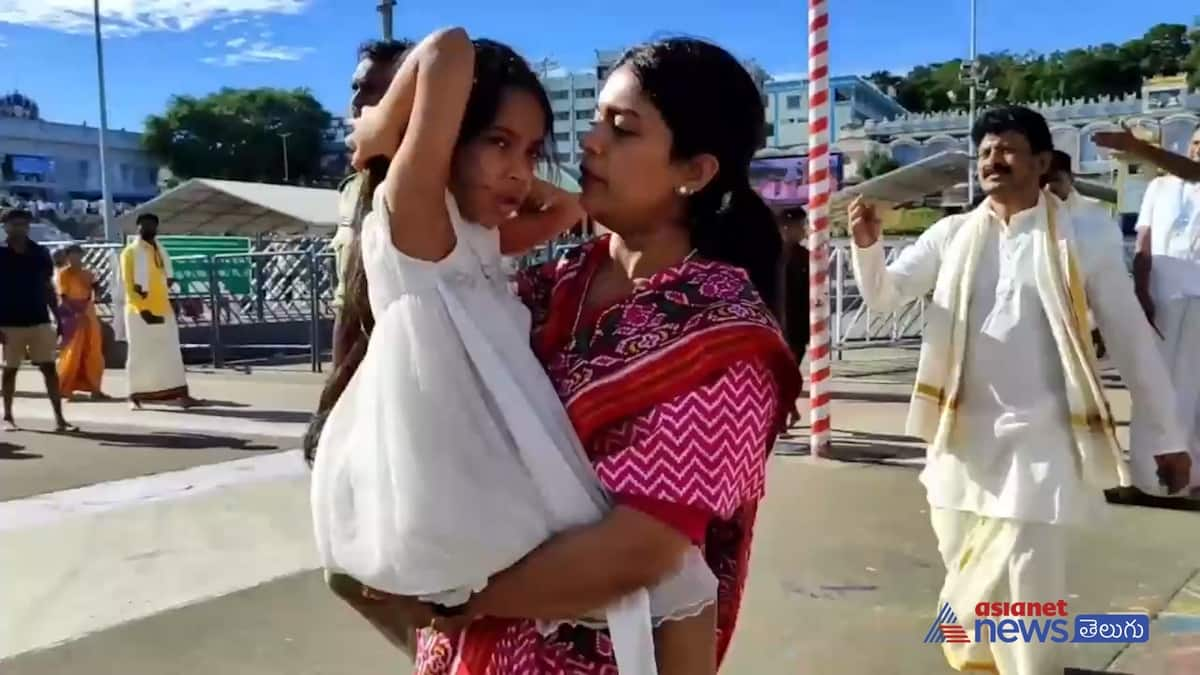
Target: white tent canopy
(208,206)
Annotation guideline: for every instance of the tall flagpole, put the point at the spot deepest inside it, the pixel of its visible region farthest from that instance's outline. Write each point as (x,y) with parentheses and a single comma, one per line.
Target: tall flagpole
(106,207)
(819,192)
(971,113)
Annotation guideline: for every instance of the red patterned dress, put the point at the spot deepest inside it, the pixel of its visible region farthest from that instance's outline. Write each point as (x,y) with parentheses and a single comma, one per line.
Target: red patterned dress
(677,393)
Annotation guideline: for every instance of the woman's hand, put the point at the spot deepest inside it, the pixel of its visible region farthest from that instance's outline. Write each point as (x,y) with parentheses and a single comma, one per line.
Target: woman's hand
(374,136)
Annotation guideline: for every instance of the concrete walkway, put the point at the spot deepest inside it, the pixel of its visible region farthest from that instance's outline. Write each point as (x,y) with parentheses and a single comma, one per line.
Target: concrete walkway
(198,566)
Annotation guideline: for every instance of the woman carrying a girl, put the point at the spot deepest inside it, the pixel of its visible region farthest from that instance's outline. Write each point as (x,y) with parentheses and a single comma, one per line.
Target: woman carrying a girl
(658,339)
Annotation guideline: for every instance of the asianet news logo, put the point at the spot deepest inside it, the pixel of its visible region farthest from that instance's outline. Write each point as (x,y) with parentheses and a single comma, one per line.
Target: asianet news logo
(1037,622)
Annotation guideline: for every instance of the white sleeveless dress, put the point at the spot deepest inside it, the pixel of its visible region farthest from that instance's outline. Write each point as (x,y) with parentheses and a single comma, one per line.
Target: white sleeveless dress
(449,456)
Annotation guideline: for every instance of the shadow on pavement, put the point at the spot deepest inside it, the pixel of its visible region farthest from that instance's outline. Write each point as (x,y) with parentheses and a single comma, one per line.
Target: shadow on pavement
(14,451)
(167,440)
(873,396)
(856,447)
(1135,497)
(286,416)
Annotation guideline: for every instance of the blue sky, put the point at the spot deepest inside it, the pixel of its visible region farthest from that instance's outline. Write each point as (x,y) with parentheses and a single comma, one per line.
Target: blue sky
(156,48)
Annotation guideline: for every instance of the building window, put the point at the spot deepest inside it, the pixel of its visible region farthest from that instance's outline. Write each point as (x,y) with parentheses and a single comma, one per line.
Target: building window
(562,136)
(151,176)
(560,95)
(769,130)
(585,93)
(794,102)
(840,96)
(562,115)
(84,168)
(583,115)
(562,156)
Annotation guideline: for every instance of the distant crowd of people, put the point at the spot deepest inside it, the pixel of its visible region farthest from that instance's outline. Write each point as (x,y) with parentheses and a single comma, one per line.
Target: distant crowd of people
(48,317)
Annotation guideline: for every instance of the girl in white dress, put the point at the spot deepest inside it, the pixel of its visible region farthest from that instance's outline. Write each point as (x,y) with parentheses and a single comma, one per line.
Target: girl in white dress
(446,455)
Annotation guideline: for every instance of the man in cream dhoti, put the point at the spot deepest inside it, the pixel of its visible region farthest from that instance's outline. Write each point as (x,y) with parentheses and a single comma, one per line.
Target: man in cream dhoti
(1166,270)
(1020,437)
(154,365)
(377,64)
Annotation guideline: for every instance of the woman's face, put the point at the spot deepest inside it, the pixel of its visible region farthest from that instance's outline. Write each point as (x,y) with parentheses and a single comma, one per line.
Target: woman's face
(493,172)
(75,258)
(628,176)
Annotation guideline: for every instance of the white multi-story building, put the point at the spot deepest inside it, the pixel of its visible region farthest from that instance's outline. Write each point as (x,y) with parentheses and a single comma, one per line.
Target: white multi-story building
(56,162)
(573,100)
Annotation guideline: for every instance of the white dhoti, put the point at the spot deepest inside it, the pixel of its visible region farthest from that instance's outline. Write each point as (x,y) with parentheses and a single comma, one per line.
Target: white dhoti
(1179,321)
(155,364)
(1000,560)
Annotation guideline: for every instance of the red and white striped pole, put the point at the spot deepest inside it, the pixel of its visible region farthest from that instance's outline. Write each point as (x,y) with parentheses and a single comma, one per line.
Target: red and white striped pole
(819,192)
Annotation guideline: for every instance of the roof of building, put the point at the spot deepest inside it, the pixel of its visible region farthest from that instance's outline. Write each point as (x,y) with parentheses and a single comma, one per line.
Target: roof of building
(223,207)
(914,181)
(932,175)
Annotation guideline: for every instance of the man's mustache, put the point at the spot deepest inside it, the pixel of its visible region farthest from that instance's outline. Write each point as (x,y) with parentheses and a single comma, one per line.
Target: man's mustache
(997,170)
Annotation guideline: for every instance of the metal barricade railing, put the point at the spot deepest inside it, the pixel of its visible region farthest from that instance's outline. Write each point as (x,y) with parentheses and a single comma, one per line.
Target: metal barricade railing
(294,281)
(854,324)
(285,282)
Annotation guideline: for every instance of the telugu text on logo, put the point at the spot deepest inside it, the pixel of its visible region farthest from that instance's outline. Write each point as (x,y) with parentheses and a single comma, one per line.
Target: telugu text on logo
(1037,622)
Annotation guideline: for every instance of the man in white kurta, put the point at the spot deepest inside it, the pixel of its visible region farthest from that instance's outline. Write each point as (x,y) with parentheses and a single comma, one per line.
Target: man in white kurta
(1167,266)
(1005,481)
(1089,217)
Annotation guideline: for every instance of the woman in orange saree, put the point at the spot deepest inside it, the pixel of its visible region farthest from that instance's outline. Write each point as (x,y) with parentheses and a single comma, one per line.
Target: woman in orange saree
(80,356)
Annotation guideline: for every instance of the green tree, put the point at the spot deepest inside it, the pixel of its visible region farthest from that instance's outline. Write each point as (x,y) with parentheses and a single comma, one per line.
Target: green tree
(235,134)
(1099,70)
(877,163)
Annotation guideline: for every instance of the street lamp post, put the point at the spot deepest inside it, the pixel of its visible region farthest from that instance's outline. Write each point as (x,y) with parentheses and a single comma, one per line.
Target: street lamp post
(283,136)
(385,14)
(105,195)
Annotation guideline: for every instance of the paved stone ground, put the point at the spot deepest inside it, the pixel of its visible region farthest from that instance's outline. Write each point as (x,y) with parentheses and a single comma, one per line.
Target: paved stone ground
(184,548)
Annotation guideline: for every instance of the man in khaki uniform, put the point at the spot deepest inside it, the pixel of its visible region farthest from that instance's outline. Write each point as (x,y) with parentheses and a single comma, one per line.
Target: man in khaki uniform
(377,64)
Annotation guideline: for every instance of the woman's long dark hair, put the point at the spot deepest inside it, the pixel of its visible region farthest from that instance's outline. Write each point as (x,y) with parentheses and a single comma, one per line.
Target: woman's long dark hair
(498,69)
(713,106)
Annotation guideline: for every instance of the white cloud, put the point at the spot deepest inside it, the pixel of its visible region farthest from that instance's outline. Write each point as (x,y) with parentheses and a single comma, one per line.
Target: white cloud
(258,52)
(123,18)
(236,42)
(266,35)
(3,43)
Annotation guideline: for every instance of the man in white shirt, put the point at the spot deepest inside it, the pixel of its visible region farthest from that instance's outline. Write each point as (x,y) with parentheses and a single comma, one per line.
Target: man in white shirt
(1090,217)
(1020,440)
(1166,269)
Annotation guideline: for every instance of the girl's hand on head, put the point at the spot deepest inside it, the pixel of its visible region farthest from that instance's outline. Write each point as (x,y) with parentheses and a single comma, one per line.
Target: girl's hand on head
(547,212)
(545,196)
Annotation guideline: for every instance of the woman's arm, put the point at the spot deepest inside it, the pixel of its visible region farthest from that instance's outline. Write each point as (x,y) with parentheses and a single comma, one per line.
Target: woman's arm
(419,119)
(585,569)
